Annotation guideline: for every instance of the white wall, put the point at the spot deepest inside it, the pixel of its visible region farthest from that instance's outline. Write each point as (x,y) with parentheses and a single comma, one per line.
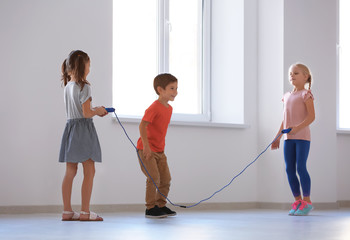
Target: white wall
(226,60)
(343,166)
(302,31)
(310,37)
(271,177)
(37,35)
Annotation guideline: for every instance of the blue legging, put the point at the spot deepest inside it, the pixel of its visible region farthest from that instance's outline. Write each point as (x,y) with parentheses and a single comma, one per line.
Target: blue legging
(295,156)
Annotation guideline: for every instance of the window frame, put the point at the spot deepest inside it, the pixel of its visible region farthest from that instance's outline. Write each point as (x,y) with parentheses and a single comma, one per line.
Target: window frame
(164,26)
(339,129)
(208,117)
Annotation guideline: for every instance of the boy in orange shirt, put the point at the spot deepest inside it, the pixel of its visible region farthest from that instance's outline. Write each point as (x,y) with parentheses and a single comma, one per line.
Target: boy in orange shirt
(150,146)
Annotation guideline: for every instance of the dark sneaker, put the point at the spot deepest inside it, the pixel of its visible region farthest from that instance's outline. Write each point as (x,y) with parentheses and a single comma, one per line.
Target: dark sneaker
(168,211)
(155,212)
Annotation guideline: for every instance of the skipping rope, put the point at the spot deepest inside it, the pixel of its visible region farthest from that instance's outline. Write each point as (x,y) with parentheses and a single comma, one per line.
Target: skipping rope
(205,199)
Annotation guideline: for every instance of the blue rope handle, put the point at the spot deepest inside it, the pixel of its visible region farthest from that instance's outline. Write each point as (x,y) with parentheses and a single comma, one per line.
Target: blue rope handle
(205,199)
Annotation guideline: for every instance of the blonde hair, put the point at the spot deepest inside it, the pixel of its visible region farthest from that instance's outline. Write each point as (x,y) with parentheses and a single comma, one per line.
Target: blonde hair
(305,70)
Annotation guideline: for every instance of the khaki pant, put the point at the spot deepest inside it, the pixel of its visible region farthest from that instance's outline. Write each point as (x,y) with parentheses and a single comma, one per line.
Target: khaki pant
(157,167)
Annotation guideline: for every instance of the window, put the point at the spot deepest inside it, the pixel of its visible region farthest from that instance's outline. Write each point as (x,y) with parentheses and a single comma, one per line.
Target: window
(344,62)
(134,55)
(155,36)
(201,42)
(185,48)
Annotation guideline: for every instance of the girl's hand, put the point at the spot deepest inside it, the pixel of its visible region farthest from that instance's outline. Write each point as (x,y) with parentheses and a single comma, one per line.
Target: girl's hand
(276,144)
(294,130)
(147,153)
(101,111)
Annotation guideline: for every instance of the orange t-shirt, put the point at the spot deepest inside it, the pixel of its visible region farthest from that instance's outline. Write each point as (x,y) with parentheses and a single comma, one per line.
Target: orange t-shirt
(158,117)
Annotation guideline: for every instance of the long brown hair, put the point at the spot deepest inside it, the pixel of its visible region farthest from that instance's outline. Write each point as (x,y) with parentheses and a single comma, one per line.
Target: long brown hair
(74,66)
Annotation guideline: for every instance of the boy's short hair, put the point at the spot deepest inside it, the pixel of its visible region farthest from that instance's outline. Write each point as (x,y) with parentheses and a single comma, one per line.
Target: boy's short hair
(163,80)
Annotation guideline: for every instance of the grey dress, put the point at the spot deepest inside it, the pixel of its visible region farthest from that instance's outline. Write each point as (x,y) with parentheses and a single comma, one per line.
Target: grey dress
(79,141)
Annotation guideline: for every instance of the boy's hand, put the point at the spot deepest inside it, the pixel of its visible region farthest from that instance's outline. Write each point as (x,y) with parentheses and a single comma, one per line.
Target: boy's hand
(147,153)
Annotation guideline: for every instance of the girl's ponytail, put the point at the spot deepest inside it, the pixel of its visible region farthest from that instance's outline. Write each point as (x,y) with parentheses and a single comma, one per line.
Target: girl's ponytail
(79,72)
(309,81)
(65,76)
(74,66)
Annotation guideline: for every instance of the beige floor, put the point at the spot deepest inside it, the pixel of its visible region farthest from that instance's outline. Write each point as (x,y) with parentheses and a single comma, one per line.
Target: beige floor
(242,225)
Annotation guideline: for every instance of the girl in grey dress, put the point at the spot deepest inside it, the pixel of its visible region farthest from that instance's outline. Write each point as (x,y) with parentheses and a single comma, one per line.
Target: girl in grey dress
(80,141)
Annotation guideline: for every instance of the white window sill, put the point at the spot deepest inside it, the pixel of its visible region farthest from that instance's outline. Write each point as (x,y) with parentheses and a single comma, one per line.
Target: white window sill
(343,131)
(128,119)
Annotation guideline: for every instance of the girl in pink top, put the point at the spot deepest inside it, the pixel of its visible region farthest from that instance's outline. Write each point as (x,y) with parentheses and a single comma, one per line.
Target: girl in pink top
(299,113)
